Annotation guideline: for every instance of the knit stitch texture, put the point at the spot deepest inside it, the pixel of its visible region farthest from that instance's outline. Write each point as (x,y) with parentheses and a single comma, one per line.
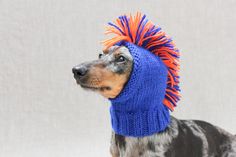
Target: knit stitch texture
(138,110)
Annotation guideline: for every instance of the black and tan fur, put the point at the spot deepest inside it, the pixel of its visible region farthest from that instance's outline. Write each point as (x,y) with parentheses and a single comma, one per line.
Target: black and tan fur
(182,138)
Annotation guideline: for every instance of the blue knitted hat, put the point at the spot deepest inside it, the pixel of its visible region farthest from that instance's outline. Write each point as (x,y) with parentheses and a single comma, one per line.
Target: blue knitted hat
(142,107)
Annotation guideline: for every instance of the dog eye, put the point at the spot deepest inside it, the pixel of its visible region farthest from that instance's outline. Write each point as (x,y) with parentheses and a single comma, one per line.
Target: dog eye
(100,55)
(121,59)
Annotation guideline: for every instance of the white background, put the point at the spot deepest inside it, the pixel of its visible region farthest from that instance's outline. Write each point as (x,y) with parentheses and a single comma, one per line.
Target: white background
(43,113)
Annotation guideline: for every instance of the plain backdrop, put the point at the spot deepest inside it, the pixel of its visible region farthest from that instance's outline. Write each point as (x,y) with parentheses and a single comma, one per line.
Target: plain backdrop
(43,113)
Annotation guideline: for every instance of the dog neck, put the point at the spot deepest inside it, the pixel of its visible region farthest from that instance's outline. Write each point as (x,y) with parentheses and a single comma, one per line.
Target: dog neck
(138,110)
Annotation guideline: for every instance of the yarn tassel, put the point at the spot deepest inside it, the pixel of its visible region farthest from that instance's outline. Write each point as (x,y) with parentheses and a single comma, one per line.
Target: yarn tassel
(142,32)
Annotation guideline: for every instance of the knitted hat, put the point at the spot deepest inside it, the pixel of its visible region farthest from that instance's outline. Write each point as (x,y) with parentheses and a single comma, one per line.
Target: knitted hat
(142,107)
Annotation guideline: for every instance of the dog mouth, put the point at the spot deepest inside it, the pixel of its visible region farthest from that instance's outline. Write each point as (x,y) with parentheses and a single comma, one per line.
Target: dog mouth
(95,88)
(92,86)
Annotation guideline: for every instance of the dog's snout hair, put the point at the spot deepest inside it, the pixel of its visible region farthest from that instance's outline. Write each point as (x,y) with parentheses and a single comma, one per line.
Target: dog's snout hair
(108,74)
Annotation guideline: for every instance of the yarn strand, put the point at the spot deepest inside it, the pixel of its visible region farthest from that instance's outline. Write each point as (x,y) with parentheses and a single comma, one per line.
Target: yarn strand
(142,32)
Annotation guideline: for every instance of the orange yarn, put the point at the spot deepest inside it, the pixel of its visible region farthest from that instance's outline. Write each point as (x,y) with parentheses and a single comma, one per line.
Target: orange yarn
(138,30)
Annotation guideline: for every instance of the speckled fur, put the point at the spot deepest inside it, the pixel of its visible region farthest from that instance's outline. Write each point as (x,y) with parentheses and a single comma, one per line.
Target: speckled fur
(182,138)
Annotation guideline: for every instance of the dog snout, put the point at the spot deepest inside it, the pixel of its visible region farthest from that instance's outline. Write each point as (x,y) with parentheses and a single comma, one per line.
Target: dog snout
(79,71)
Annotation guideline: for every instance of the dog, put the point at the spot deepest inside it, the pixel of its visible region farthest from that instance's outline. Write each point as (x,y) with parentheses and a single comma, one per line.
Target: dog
(182,138)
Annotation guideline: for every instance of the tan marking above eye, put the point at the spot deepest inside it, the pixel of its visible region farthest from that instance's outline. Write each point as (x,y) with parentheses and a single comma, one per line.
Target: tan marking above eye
(105,51)
(111,49)
(116,52)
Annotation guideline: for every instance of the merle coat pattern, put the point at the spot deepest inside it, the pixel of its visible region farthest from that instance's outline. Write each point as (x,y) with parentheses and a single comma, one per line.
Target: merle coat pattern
(182,138)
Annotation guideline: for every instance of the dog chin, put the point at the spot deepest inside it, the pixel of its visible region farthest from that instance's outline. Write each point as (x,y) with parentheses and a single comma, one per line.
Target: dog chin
(86,87)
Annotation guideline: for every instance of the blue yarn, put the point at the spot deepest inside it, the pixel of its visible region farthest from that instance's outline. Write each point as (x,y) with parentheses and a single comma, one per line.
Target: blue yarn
(111,24)
(139,110)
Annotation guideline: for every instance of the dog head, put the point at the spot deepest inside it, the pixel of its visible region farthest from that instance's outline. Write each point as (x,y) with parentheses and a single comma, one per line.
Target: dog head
(106,75)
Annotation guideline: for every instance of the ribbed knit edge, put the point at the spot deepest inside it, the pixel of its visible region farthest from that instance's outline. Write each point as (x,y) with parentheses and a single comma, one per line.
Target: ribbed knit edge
(142,123)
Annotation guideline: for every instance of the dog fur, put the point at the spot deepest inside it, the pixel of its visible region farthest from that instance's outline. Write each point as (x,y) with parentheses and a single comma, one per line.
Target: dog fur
(182,138)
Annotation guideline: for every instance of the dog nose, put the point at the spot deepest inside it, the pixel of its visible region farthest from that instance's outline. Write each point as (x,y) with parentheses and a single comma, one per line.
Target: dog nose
(79,71)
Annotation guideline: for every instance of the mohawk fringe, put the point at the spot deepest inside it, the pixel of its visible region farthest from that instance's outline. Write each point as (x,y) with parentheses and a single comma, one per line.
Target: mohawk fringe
(144,33)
